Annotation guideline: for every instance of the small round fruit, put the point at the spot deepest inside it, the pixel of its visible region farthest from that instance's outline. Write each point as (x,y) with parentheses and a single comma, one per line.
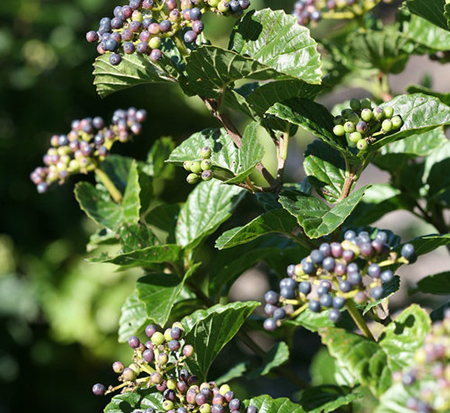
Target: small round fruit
(339,130)
(366,115)
(349,127)
(98,389)
(362,144)
(355,104)
(388,112)
(205,152)
(386,126)
(187,165)
(157,338)
(207,175)
(378,113)
(206,165)
(397,122)
(192,179)
(355,137)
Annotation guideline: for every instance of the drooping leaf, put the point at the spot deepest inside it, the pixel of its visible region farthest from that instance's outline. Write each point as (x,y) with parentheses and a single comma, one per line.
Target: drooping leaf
(325,168)
(365,359)
(159,291)
(134,70)
(328,398)
(208,205)
(278,220)
(316,217)
(274,39)
(431,10)
(275,357)
(130,401)
(133,317)
(143,257)
(404,336)
(435,284)
(265,404)
(210,330)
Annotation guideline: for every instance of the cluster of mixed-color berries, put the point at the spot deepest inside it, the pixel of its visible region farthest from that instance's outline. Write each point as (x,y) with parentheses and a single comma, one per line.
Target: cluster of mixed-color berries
(140,26)
(431,371)
(362,125)
(333,274)
(308,11)
(85,146)
(201,168)
(160,363)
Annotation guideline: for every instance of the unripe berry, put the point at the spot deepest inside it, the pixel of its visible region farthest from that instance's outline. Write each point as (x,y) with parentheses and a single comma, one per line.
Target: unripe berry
(154,42)
(355,137)
(167,405)
(157,338)
(366,104)
(129,374)
(192,178)
(397,122)
(223,6)
(188,350)
(355,104)
(349,127)
(366,115)
(196,167)
(388,112)
(187,165)
(378,113)
(206,165)
(205,152)
(207,175)
(350,115)
(118,367)
(339,130)
(386,126)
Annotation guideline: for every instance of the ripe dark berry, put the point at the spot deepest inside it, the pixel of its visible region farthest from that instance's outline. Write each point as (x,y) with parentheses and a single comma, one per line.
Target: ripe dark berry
(279,314)
(377,292)
(314,306)
(304,287)
(288,293)
(129,48)
(190,36)
(150,330)
(345,286)
(316,256)
(308,267)
(386,276)
(98,389)
(195,13)
(174,345)
(115,59)
(134,342)
(335,315)
(234,405)
(270,324)
(374,270)
(251,409)
(271,297)
(155,55)
(408,251)
(338,302)
(329,263)
(148,355)
(326,300)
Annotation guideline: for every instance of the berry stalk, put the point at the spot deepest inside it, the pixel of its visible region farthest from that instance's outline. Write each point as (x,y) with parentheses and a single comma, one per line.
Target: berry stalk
(358,319)
(109,185)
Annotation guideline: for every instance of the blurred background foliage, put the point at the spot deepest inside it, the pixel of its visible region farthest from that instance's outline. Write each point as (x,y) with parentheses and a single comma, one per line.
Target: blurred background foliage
(58,313)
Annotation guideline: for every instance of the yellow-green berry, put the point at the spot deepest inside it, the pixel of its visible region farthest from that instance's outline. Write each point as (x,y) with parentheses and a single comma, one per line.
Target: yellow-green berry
(355,137)
(361,145)
(191,179)
(386,126)
(158,338)
(196,167)
(388,112)
(339,130)
(187,165)
(397,122)
(206,164)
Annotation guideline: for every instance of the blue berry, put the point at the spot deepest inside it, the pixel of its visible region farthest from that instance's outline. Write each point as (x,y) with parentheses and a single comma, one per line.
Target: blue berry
(155,55)
(150,330)
(288,293)
(115,59)
(314,306)
(134,342)
(234,404)
(386,276)
(335,315)
(349,235)
(326,300)
(190,36)
(355,278)
(325,249)
(352,267)
(195,13)
(291,270)
(288,282)
(336,249)
(374,270)
(165,26)
(148,355)
(269,309)
(235,6)
(270,324)
(316,256)
(305,287)
(271,297)
(98,389)
(308,267)
(245,4)
(338,302)
(409,252)
(366,249)
(279,314)
(377,292)
(345,286)
(329,263)
(382,237)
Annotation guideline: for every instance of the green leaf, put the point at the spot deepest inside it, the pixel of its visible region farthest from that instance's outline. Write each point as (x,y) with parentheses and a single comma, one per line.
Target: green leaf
(134,70)
(378,200)
(160,151)
(99,208)
(328,398)
(313,117)
(435,284)
(425,33)
(431,10)
(130,401)
(135,237)
(404,336)
(443,97)
(394,400)
(159,292)
(210,330)
(325,168)
(278,220)
(316,217)
(274,39)
(427,243)
(250,154)
(164,217)
(118,169)
(275,357)
(143,257)
(387,51)
(133,317)
(131,204)
(235,372)
(208,205)
(102,237)
(364,358)
(420,113)
(265,404)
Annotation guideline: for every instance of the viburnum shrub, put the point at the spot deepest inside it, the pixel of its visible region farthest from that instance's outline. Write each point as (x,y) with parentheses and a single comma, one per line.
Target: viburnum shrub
(332,271)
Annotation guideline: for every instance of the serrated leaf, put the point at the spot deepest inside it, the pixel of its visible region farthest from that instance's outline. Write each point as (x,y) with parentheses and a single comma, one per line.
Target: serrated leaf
(159,292)
(365,359)
(208,205)
(102,237)
(265,404)
(431,10)
(103,211)
(275,357)
(443,97)
(420,113)
(133,317)
(210,330)
(389,288)
(387,51)
(425,33)
(118,169)
(427,243)
(435,284)
(378,200)
(160,151)
(278,220)
(313,117)
(130,401)
(325,168)
(134,70)
(274,39)
(143,257)
(135,237)
(328,398)
(316,217)
(404,336)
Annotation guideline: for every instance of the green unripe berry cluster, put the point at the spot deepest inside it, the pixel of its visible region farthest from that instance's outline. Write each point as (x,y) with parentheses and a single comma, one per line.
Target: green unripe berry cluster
(362,125)
(201,168)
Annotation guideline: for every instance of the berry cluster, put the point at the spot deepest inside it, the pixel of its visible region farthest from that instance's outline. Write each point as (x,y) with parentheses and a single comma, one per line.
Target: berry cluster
(308,11)
(85,146)
(333,274)
(141,25)
(362,125)
(431,371)
(200,168)
(161,361)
